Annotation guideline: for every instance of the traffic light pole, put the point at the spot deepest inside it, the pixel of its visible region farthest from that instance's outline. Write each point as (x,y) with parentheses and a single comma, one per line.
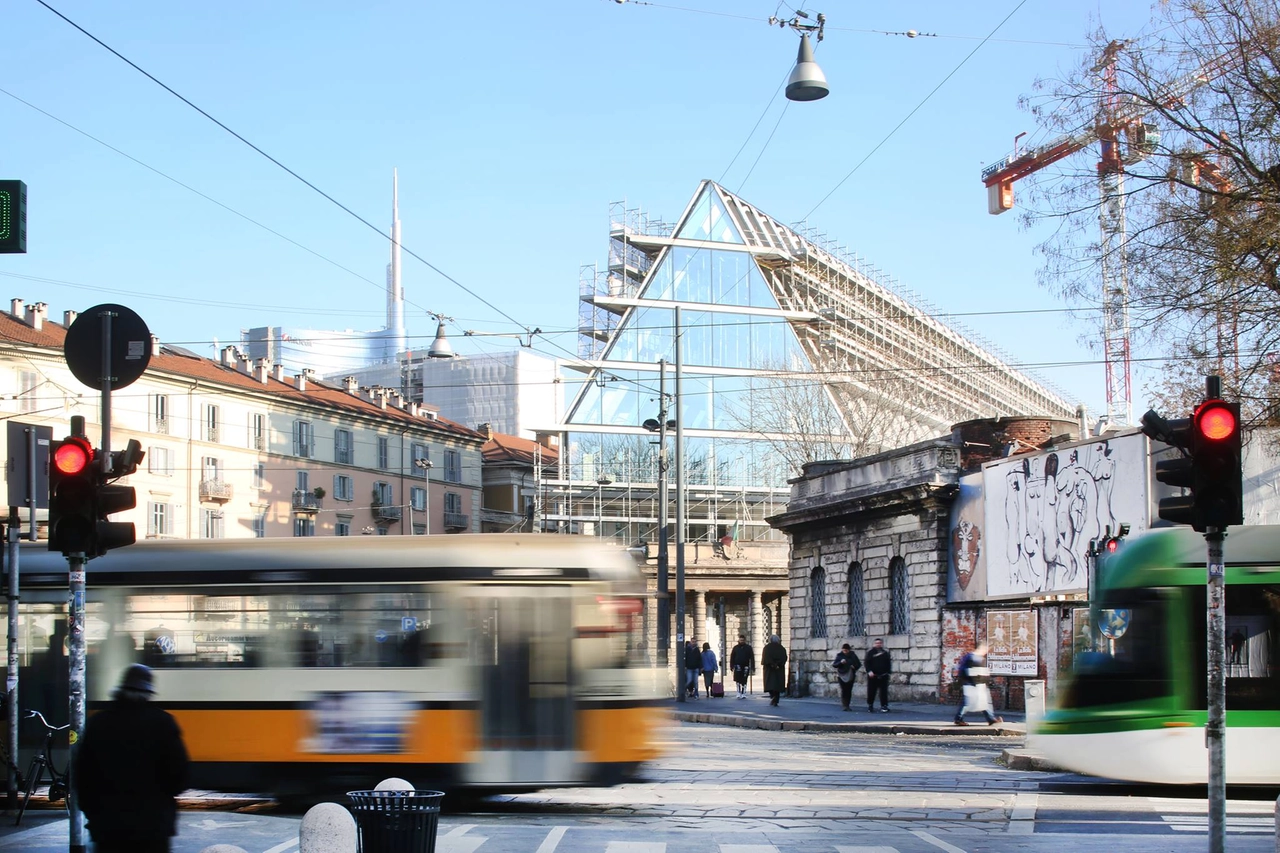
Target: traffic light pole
(1215,726)
(75,637)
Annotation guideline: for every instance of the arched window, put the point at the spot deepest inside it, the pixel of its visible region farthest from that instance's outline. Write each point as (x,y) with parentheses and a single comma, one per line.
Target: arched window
(899,597)
(818,602)
(767,612)
(857,602)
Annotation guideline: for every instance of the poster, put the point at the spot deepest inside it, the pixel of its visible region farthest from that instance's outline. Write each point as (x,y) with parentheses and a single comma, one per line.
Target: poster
(967,550)
(1042,510)
(1012,642)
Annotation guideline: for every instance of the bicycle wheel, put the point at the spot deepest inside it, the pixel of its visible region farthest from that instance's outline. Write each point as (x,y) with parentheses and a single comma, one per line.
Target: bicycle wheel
(34,772)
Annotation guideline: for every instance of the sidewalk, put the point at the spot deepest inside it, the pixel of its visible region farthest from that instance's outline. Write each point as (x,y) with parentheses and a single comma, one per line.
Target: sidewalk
(823,714)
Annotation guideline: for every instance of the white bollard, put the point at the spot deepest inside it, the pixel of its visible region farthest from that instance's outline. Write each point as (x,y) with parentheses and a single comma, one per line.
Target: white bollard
(395,783)
(224,848)
(327,828)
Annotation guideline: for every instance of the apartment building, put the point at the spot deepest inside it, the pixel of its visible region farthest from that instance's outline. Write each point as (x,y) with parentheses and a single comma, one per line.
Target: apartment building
(238,449)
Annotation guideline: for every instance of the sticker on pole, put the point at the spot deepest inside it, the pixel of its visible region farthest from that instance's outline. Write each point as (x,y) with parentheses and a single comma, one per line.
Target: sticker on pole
(1215,570)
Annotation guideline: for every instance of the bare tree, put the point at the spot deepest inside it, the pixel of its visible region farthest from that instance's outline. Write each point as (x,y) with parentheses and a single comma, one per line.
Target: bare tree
(1196,107)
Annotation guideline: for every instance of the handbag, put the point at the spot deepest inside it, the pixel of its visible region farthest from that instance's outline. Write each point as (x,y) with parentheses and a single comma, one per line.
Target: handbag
(977,697)
(717,689)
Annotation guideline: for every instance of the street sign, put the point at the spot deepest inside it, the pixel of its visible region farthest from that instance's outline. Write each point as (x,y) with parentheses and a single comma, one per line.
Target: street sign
(13,217)
(21,464)
(130,346)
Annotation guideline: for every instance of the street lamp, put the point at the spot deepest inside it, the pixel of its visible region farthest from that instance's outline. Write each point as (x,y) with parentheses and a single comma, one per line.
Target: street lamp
(424,465)
(807,82)
(440,347)
(660,425)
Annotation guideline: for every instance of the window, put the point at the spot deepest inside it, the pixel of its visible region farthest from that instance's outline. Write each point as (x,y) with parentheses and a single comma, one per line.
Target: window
(28,380)
(421,456)
(211,524)
(818,602)
(160,461)
(302,481)
(342,446)
(160,413)
(211,423)
(159,519)
(384,453)
(343,488)
(899,597)
(211,469)
(418,498)
(302,439)
(857,602)
(342,527)
(260,524)
(258,431)
(304,525)
(382,494)
(452,466)
(260,476)
(453,503)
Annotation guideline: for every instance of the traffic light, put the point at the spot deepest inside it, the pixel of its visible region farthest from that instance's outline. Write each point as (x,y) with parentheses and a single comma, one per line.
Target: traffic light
(13,217)
(1217,463)
(1178,471)
(72,490)
(1209,468)
(111,498)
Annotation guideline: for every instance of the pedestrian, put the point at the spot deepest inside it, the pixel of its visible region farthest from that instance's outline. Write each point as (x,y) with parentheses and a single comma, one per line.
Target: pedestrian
(710,666)
(847,666)
(774,661)
(975,691)
(879,667)
(692,666)
(130,766)
(743,662)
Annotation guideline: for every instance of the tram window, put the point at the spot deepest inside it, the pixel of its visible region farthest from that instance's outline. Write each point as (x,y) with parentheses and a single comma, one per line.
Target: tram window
(1253,631)
(291,629)
(1130,662)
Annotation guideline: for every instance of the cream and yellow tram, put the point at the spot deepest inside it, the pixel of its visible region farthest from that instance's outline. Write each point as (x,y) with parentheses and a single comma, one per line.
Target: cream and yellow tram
(293,666)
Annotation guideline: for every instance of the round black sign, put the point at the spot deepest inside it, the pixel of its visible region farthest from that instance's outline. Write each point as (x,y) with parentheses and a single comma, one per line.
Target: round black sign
(130,350)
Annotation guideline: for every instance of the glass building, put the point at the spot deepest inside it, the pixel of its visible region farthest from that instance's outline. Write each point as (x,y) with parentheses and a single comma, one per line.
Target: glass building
(791,349)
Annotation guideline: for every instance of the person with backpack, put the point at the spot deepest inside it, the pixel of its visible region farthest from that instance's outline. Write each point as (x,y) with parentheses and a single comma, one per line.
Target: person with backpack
(709,667)
(847,666)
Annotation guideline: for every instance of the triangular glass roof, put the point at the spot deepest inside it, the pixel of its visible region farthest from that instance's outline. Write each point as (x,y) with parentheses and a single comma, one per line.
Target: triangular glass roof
(709,220)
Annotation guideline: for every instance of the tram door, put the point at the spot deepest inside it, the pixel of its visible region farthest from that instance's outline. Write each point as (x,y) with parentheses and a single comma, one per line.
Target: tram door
(524,676)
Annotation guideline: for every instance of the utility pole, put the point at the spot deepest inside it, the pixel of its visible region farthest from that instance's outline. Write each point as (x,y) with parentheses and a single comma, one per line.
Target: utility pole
(679,513)
(664,589)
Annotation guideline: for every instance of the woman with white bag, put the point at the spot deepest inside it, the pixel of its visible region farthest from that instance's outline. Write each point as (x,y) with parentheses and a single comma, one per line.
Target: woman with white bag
(974,682)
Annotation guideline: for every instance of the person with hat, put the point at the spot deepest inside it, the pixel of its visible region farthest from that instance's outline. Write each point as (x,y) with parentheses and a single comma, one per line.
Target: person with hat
(130,766)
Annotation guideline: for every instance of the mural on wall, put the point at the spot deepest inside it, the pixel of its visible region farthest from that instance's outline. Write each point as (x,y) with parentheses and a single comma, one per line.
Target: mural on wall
(966,572)
(1042,509)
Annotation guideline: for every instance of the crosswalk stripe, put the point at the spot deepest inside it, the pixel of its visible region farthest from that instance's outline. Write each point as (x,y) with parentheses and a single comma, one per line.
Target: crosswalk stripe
(636,847)
(282,846)
(748,848)
(936,842)
(846,849)
(552,841)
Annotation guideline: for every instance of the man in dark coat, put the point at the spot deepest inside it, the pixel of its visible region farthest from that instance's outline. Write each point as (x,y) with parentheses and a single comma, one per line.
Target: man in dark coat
(879,666)
(130,766)
(774,661)
(975,692)
(847,666)
(743,661)
(692,667)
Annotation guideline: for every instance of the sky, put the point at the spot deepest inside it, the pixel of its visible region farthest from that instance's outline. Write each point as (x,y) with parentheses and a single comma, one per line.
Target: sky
(514,125)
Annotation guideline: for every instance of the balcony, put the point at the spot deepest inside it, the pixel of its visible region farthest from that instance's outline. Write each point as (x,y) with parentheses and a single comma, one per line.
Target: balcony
(455,521)
(305,501)
(386,513)
(215,490)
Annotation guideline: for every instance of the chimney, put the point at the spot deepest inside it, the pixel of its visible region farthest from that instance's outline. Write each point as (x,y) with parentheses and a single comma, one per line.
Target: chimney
(487,430)
(261,370)
(300,380)
(244,363)
(351,385)
(15,308)
(155,342)
(277,371)
(35,315)
(228,356)
(68,317)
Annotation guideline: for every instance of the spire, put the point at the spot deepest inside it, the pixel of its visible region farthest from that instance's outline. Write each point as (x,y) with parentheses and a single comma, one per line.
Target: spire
(393,333)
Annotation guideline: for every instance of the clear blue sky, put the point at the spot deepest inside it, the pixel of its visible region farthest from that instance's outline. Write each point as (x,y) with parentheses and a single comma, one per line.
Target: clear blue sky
(513,125)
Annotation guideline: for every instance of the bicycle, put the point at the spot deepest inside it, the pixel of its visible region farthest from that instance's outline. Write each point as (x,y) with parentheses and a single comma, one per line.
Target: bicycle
(43,761)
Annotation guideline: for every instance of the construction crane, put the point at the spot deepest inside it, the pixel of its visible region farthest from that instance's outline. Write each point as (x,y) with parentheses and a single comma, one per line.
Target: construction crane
(1118,120)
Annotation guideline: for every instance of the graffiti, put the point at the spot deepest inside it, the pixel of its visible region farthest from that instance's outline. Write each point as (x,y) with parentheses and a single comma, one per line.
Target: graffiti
(966,546)
(1052,505)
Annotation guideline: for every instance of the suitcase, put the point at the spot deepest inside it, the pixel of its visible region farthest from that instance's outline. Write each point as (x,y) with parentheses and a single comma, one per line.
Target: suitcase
(717,689)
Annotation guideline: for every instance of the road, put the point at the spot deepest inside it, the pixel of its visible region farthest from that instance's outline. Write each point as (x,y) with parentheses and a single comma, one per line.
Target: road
(729,790)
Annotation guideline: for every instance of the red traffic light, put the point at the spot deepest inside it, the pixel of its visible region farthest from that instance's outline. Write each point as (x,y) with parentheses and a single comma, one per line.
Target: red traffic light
(72,457)
(1216,421)
(1112,545)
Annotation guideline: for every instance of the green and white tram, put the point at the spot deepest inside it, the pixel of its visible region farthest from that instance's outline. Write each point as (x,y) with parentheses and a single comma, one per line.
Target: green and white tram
(1136,708)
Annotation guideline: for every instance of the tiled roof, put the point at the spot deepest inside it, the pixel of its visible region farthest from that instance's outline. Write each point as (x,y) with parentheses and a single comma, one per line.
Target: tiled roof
(511,448)
(189,366)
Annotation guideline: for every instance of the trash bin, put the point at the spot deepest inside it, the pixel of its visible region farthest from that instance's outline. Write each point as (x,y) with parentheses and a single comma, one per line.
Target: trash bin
(396,821)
